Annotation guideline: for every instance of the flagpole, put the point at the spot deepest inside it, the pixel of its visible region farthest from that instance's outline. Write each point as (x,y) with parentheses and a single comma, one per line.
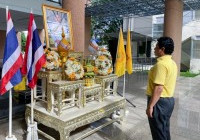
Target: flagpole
(124,85)
(10,136)
(10,113)
(32,128)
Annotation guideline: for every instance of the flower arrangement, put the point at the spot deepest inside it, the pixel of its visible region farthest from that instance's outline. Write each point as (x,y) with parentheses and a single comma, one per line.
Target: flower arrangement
(53,61)
(74,69)
(103,63)
(89,73)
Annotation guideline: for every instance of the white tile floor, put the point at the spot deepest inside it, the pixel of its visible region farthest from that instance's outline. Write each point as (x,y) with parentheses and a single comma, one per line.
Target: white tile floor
(185,121)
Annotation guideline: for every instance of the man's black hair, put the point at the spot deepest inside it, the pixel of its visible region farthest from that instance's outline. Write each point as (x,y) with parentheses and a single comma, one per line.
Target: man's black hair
(167,43)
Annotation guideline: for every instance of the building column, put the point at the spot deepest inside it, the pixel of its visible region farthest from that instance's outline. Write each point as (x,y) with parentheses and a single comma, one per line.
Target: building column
(2,43)
(87,34)
(173,20)
(77,8)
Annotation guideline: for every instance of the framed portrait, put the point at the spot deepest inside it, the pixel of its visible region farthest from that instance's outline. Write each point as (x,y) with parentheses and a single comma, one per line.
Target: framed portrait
(56,21)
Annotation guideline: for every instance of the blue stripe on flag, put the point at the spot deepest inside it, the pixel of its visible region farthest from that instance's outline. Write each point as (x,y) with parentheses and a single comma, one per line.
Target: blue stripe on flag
(36,43)
(17,78)
(36,40)
(30,73)
(11,40)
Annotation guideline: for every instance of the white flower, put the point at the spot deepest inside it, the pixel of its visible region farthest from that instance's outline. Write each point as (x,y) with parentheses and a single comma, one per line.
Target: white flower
(103,63)
(52,58)
(73,66)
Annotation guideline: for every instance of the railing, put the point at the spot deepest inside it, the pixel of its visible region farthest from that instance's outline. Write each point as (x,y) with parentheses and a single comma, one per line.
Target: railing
(143,64)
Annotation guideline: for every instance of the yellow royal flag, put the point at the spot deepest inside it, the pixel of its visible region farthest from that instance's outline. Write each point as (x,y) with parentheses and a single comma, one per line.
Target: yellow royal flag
(120,62)
(129,65)
(21,86)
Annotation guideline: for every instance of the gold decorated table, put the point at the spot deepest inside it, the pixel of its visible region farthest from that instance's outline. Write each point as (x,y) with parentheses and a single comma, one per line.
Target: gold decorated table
(58,88)
(93,92)
(46,77)
(73,118)
(106,82)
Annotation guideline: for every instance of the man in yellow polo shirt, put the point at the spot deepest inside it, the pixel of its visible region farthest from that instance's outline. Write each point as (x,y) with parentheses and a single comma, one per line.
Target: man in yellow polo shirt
(160,90)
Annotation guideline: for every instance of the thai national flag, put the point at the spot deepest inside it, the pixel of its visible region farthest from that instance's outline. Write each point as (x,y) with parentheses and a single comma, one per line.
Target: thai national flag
(12,60)
(34,55)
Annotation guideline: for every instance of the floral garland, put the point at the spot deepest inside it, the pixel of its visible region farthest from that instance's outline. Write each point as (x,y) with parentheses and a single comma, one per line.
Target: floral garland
(103,63)
(53,61)
(74,69)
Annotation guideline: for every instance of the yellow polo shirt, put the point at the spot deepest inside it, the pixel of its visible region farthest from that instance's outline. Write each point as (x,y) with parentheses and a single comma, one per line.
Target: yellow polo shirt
(164,72)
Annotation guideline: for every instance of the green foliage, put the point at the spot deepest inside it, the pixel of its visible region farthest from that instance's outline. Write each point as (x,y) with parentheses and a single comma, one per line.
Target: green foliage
(103,29)
(23,41)
(188,74)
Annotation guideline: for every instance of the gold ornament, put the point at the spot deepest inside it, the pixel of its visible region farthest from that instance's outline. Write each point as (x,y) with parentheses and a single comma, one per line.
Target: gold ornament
(63,47)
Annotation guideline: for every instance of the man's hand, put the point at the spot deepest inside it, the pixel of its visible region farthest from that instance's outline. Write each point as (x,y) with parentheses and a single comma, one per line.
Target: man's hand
(149,112)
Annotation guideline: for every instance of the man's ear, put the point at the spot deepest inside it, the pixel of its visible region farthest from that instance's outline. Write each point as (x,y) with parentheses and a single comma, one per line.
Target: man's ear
(163,49)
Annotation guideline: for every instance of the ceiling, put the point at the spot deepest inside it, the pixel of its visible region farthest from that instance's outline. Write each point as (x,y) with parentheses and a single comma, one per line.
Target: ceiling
(20,12)
(101,10)
(108,9)
(20,20)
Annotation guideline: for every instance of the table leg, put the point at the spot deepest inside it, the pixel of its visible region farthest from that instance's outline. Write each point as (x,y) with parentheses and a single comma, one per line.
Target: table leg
(59,103)
(49,98)
(103,90)
(64,134)
(44,88)
(115,84)
(79,98)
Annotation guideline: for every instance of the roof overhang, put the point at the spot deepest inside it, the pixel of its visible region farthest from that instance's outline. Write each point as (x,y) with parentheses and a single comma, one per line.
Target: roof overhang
(109,9)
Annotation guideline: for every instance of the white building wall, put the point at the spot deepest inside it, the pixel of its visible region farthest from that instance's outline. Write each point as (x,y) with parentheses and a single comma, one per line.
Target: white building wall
(191,29)
(142,25)
(195,66)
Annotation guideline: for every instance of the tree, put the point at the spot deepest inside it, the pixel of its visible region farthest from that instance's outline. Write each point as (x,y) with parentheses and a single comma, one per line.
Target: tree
(23,41)
(103,27)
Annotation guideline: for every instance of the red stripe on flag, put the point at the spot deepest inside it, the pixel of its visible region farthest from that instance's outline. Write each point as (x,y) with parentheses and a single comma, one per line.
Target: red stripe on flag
(38,66)
(3,90)
(8,16)
(28,41)
(10,73)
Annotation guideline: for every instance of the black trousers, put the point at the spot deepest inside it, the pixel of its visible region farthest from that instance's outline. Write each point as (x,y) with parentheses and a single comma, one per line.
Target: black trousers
(160,123)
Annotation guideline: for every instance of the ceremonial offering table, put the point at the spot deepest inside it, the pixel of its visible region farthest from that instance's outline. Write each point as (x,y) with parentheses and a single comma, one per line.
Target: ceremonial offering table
(47,76)
(106,82)
(73,118)
(58,88)
(93,92)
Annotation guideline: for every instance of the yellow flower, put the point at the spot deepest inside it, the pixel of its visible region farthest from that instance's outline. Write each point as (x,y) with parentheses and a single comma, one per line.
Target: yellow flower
(55,63)
(45,65)
(109,70)
(95,69)
(101,57)
(75,62)
(72,75)
(59,61)
(102,49)
(46,51)
(72,58)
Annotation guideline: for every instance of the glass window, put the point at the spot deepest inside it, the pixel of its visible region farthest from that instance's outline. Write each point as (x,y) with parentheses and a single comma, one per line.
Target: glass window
(57,1)
(196,49)
(159,20)
(158,27)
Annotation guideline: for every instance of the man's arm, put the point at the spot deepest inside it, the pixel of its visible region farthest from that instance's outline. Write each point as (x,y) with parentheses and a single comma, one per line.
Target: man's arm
(154,99)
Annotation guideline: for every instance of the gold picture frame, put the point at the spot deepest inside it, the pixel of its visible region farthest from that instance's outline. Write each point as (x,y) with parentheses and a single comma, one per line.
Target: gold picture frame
(57,20)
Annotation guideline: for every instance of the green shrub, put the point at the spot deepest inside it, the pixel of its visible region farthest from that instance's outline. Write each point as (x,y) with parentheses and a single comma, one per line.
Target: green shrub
(188,74)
